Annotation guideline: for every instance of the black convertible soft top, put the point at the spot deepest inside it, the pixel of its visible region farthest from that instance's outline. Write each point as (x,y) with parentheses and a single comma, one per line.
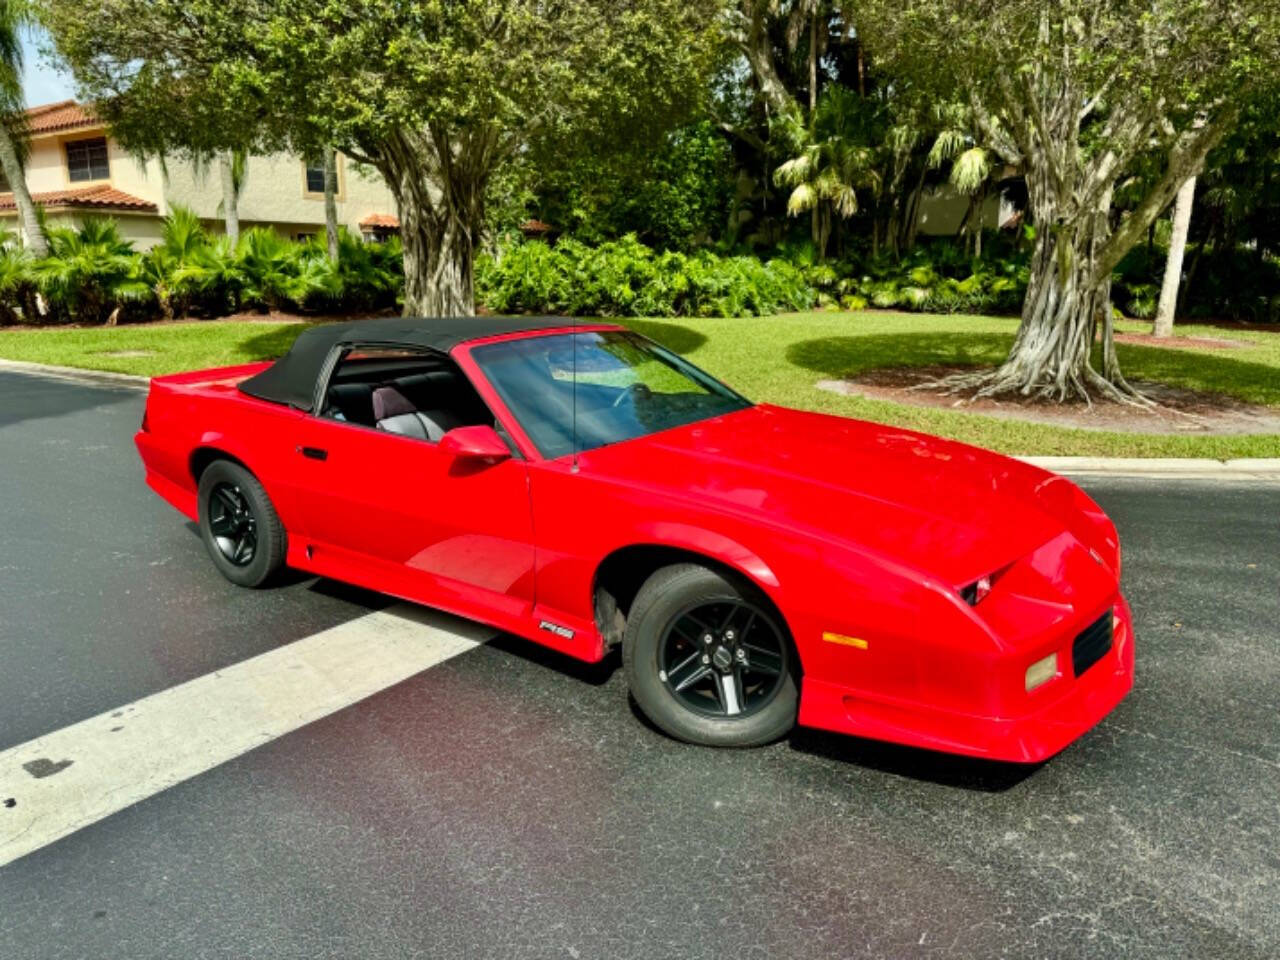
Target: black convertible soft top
(292,378)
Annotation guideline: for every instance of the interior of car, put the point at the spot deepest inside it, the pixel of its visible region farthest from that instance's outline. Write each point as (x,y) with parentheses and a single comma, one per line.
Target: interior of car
(414,394)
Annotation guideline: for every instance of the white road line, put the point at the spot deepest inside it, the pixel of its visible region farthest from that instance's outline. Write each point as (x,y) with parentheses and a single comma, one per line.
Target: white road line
(56,784)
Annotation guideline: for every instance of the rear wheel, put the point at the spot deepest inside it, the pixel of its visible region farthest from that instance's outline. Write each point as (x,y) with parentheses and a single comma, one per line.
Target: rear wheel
(707,659)
(239,525)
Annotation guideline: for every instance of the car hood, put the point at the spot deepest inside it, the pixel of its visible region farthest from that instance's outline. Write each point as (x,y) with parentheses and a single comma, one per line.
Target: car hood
(946,508)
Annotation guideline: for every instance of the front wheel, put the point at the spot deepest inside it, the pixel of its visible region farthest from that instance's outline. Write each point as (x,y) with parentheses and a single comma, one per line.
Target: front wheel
(707,659)
(239,525)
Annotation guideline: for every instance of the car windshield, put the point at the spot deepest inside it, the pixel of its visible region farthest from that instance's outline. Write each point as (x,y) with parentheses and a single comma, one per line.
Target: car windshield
(602,387)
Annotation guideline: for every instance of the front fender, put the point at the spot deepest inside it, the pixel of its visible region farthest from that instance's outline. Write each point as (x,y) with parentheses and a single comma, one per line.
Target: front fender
(714,545)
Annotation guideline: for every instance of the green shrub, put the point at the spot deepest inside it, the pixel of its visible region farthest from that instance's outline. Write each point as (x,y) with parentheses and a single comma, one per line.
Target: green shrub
(17,287)
(212,277)
(1230,285)
(1142,300)
(626,278)
(368,276)
(91,275)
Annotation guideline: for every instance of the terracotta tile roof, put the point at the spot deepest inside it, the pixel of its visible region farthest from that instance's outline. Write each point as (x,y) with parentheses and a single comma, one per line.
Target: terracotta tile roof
(103,197)
(382,221)
(536,226)
(63,115)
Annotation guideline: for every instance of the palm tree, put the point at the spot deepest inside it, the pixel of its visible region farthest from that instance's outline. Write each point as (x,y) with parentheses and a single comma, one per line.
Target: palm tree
(277,272)
(213,272)
(13,140)
(834,163)
(90,270)
(973,169)
(804,17)
(182,238)
(15,280)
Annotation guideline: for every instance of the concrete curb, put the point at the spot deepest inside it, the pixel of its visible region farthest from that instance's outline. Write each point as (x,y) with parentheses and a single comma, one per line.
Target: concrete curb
(1191,468)
(100,377)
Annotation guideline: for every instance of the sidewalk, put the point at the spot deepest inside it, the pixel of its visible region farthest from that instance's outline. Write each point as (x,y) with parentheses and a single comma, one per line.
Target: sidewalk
(1188,469)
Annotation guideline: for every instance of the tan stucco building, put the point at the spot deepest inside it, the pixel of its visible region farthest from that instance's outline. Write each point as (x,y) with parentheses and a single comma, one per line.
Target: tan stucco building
(76,168)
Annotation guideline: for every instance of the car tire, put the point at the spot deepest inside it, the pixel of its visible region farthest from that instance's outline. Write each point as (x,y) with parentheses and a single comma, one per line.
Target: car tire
(657,646)
(238,524)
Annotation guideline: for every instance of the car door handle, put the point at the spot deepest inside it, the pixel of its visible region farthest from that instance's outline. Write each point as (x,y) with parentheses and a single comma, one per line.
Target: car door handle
(314,453)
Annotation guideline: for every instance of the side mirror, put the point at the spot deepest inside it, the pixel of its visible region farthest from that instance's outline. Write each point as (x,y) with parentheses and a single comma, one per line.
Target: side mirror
(475,443)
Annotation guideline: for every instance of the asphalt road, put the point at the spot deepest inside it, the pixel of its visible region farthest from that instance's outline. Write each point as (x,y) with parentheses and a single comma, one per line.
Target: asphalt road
(508,803)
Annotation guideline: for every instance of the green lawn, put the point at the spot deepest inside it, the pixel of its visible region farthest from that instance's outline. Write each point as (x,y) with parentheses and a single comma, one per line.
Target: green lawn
(778,359)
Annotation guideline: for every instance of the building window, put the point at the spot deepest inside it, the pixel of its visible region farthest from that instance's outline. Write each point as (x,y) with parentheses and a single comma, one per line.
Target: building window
(87,160)
(315,176)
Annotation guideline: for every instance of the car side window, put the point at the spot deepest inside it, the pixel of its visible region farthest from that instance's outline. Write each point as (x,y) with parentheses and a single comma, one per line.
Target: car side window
(421,395)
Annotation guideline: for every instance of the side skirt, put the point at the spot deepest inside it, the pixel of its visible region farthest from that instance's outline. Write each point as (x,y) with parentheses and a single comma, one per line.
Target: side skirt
(569,636)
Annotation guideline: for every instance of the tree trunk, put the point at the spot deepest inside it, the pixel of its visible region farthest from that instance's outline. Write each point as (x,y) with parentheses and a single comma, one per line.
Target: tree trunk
(825,219)
(813,65)
(230,197)
(912,222)
(28,221)
(438,268)
(819,240)
(331,202)
(1186,287)
(441,205)
(893,225)
(1068,300)
(1173,266)
(1050,354)
(1260,218)
(757,47)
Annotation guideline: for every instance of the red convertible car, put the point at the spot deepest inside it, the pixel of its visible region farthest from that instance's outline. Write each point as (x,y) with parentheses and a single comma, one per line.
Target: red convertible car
(584,487)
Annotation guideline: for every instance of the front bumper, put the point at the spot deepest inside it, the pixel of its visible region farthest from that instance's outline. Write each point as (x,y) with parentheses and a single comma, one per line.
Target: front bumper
(1028,738)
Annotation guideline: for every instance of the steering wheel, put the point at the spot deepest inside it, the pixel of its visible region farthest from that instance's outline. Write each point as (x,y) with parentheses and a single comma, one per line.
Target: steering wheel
(635,391)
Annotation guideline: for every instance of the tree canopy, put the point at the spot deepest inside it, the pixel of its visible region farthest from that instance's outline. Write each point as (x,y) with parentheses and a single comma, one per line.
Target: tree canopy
(437,96)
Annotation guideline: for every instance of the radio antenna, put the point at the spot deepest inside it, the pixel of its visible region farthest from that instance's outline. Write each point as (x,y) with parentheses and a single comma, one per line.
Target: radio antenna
(573,338)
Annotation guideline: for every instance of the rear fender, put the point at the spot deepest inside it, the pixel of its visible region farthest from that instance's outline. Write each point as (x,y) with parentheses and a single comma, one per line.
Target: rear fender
(216,442)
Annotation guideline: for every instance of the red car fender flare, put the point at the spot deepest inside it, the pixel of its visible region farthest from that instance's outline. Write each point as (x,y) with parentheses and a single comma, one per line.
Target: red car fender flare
(212,445)
(716,546)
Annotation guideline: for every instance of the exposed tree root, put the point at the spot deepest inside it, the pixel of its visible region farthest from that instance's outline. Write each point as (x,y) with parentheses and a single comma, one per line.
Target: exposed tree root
(1011,380)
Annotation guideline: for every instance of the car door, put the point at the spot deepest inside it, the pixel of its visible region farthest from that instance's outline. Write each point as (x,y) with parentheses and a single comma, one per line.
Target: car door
(399,515)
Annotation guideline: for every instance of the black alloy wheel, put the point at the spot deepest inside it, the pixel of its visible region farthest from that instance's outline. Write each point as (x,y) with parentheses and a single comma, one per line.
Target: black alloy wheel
(724,659)
(239,525)
(231,521)
(708,658)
